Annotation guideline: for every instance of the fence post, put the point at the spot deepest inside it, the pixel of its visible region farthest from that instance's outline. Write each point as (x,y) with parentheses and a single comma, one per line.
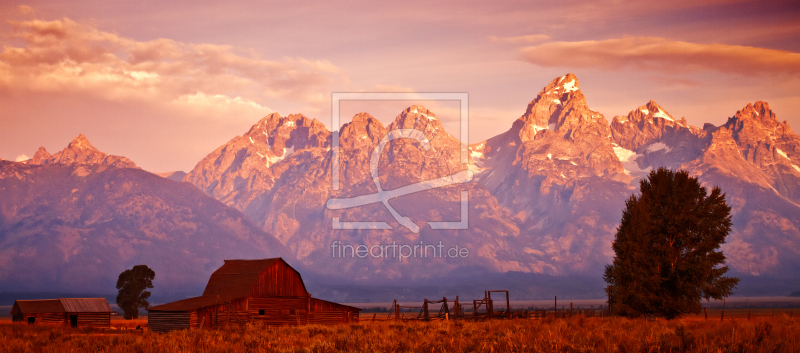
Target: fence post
(570,309)
(722,316)
(490,307)
(425,310)
(508,306)
(396,310)
(706,310)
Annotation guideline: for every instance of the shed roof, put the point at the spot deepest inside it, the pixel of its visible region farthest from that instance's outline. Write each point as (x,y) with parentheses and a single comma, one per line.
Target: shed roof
(40,306)
(236,278)
(86,305)
(64,305)
(187,304)
(337,304)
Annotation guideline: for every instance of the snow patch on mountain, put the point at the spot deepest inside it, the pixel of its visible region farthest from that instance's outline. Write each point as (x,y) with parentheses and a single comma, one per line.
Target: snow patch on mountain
(781,153)
(660,114)
(537,128)
(570,87)
(430,117)
(658,146)
(286,152)
(476,155)
(628,159)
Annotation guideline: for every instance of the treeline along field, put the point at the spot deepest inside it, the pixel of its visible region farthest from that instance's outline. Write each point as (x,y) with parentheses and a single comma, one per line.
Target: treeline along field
(575,334)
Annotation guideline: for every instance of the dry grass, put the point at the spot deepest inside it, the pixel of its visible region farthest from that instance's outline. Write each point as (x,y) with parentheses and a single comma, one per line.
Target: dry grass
(577,334)
(118,322)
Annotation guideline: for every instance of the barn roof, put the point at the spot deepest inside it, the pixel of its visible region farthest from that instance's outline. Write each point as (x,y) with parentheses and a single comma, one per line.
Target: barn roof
(236,278)
(64,305)
(337,304)
(186,304)
(40,306)
(86,305)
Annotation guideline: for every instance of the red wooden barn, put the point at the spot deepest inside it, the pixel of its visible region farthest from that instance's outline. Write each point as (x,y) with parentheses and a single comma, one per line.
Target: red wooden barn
(259,292)
(75,312)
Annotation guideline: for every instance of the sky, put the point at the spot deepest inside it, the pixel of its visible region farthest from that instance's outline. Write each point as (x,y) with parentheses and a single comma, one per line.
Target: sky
(166,83)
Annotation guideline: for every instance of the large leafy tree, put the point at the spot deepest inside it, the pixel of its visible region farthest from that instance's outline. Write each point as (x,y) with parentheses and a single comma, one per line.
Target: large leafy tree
(667,256)
(132,285)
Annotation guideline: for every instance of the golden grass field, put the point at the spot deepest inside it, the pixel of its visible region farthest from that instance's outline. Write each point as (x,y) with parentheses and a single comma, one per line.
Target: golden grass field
(763,333)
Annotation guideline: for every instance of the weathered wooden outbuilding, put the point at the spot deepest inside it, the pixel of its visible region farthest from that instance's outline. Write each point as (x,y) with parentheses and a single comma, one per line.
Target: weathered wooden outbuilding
(75,312)
(260,292)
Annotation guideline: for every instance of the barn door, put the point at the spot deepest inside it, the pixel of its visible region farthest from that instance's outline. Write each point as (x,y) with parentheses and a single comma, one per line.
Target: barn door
(73,320)
(207,319)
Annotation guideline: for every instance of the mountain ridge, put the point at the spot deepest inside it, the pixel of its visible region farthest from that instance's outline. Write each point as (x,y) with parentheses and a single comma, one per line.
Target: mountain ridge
(546,195)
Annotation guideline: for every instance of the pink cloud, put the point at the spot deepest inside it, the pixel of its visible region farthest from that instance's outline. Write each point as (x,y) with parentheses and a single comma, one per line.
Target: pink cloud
(66,56)
(532,38)
(661,54)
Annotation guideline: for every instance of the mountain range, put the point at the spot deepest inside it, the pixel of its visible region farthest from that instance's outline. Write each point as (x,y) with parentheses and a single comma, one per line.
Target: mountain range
(544,197)
(75,220)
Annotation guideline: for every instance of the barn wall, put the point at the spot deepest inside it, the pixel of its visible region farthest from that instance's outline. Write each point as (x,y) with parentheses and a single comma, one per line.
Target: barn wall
(331,317)
(300,303)
(16,314)
(93,319)
(322,306)
(221,315)
(295,311)
(51,319)
(235,317)
(166,321)
(279,280)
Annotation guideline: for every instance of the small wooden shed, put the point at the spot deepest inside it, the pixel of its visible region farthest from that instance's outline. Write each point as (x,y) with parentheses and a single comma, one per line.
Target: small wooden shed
(74,312)
(265,292)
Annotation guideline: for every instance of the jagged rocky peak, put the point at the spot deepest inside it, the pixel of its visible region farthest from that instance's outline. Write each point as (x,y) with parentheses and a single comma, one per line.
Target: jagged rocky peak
(541,110)
(81,152)
(40,156)
(654,113)
(762,139)
(646,124)
(363,131)
(562,108)
(417,117)
(81,142)
(758,114)
(295,131)
(562,85)
(650,113)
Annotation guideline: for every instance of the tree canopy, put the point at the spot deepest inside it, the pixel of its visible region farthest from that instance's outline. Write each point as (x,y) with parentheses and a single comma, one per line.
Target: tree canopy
(667,255)
(132,285)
